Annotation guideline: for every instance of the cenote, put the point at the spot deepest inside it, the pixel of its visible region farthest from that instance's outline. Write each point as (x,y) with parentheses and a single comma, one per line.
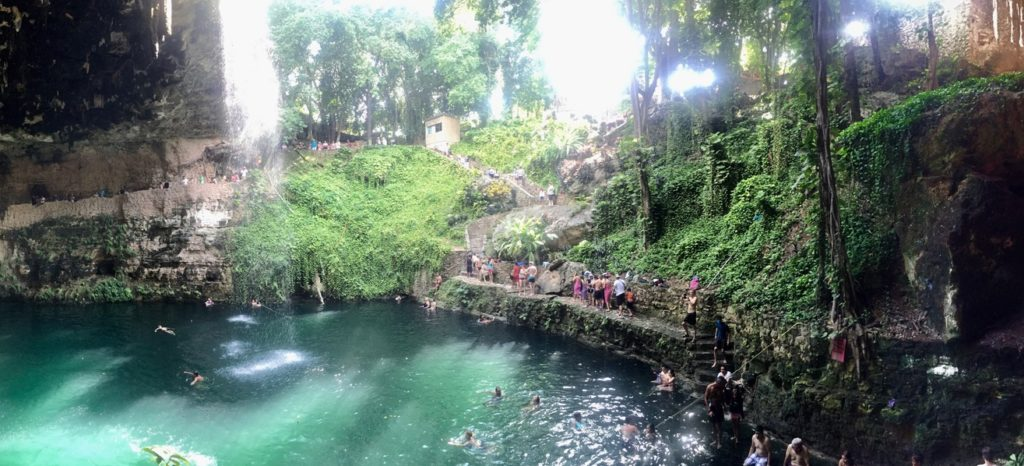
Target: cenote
(372,383)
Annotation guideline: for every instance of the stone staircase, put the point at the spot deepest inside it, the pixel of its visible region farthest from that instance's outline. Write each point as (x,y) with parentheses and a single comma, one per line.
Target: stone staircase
(702,352)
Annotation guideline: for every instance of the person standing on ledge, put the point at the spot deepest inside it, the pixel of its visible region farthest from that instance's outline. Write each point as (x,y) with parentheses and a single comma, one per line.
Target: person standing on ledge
(714,401)
(721,340)
(437,282)
(690,322)
(619,288)
(531,277)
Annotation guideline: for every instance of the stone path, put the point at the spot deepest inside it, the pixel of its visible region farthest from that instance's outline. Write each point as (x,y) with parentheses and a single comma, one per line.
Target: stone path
(701,348)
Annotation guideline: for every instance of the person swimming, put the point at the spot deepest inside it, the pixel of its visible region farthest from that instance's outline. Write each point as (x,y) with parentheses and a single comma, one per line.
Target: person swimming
(196,378)
(255,303)
(209,302)
(629,431)
(533,405)
(495,395)
(161,328)
(577,421)
(650,433)
(468,440)
(485,319)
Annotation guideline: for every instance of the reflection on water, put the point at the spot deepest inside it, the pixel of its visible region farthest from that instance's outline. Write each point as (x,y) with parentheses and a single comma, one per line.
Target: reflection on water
(361,384)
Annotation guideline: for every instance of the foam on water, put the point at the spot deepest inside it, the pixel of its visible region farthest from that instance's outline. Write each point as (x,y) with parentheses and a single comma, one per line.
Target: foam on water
(235,348)
(243,319)
(269,362)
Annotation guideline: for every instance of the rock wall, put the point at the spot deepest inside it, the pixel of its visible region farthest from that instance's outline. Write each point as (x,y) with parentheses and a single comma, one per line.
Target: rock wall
(958,216)
(156,244)
(107,108)
(919,396)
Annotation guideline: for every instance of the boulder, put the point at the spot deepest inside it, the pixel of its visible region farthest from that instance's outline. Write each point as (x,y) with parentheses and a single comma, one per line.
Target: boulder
(557,278)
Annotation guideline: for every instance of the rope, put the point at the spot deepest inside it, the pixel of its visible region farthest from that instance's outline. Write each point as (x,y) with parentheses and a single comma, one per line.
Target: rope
(678,412)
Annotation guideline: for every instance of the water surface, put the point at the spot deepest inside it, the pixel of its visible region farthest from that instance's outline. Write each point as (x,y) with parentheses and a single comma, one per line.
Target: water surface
(373,383)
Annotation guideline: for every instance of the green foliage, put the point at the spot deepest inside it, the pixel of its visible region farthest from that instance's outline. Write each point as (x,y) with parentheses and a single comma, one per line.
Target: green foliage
(533,145)
(1016,459)
(105,290)
(403,68)
(616,205)
(487,197)
(522,237)
(728,212)
(362,239)
(62,250)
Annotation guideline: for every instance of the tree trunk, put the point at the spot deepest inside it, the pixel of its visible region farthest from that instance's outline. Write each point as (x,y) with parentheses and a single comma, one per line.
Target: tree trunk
(851,78)
(370,104)
(827,195)
(851,82)
(876,52)
(640,100)
(933,51)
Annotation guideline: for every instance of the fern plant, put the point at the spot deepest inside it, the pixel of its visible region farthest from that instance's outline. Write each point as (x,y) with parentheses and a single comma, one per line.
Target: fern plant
(522,237)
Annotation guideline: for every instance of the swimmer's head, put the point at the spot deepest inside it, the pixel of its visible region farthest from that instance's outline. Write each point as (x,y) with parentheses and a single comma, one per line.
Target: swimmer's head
(577,416)
(469,435)
(759,429)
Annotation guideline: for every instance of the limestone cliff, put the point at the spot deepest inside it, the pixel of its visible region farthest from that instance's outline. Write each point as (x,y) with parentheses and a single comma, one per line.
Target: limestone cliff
(108,107)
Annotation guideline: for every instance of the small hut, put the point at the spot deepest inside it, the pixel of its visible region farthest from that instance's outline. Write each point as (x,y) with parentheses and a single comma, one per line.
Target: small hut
(442,131)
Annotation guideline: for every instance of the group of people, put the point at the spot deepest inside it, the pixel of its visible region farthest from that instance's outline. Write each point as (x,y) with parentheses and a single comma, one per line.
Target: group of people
(522,277)
(323,145)
(605,292)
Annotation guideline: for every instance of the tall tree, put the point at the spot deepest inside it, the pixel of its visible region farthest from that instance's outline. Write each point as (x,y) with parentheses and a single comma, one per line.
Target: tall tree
(767,24)
(851,84)
(652,18)
(933,49)
(846,303)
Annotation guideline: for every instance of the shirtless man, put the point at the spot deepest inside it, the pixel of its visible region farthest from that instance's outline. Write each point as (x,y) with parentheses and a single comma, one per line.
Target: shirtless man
(531,277)
(759,453)
(196,378)
(668,381)
(690,322)
(714,401)
(629,431)
(437,282)
(797,454)
(161,328)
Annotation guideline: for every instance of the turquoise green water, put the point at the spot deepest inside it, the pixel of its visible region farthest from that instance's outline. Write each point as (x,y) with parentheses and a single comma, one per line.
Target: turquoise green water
(350,384)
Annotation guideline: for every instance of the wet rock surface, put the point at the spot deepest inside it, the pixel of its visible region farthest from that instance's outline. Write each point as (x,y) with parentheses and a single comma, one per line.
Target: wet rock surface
(958,216)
